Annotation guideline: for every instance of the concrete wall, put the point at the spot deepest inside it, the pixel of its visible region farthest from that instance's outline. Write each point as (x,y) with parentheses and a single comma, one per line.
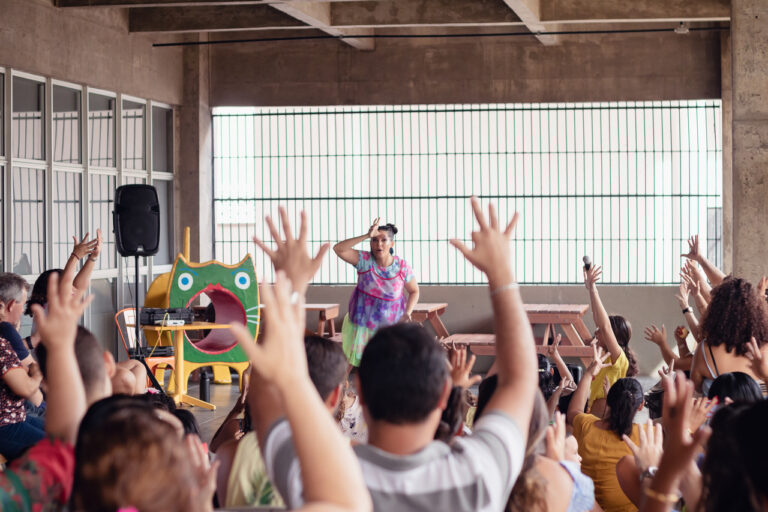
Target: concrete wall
(87,46)
(469,309)
(467,70)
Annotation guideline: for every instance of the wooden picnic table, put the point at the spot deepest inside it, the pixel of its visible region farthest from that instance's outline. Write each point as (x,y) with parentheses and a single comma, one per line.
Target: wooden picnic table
(432,311)
(327,313)
(567,316)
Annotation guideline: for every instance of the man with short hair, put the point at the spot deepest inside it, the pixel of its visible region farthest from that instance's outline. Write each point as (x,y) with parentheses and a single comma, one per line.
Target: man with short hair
(404,384)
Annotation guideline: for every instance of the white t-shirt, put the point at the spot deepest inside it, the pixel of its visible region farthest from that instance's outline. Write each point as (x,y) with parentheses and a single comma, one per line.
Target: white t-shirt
(473,473)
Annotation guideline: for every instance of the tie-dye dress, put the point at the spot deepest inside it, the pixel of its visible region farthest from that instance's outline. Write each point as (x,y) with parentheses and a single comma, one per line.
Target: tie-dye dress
(378,301)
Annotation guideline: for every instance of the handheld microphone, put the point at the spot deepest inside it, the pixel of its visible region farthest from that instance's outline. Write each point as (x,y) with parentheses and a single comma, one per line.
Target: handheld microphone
(587,262)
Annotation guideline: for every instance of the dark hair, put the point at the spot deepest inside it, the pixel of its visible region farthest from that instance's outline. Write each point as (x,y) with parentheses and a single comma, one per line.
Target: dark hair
(622,330)
(39,294)
(188,420)
(11,286)
(90,359)
(654,401)
(547,383)
(452,417)
(624,397)
(402,373)
(327,364)
(158,401)
(122,447)
(738,386)
(390,229)
(529,491)
(733,472)
(485,391)
(734,315)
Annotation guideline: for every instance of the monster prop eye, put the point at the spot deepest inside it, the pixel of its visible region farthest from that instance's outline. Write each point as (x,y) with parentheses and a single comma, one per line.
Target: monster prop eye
(185,281)
(242,280)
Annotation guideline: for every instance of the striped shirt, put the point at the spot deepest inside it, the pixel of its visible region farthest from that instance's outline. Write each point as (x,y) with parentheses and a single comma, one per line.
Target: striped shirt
(473,473)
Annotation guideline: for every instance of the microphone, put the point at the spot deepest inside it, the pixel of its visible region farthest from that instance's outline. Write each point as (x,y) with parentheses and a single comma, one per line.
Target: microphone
(587,262)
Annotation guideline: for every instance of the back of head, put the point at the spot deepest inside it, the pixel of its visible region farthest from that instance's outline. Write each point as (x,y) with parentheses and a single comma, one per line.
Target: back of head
(546,378)
(327,364)
(11,286)
(122,447)
(733,472)
(188,421)
(90,361)
(738,386)
(624,398)
(530,488)
(402,374)
(622,330)
(735,314)
(39,294)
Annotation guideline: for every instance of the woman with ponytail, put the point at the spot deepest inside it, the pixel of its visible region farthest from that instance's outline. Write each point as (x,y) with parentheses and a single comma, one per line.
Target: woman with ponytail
(600,438)
(378,299)
(612,335)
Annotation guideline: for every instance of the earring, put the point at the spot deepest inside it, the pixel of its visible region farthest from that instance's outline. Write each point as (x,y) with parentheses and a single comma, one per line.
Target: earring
(391,250)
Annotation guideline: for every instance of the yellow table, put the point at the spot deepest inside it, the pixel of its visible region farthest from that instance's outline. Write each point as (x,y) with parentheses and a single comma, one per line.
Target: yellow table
(179,393)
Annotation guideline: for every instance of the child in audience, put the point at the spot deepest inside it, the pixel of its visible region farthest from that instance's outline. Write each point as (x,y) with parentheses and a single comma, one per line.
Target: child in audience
(736,386)
(600,440)
(404,384)
(612,335)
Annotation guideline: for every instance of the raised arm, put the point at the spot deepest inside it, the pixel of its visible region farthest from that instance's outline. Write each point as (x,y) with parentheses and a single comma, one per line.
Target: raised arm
(515,347)
(659,338)
(58,330)
(83,278)
(714,274)
(554,354)
(685,308)
(81,249)
(346,248)
(599,314)
(580,396)
(330,472)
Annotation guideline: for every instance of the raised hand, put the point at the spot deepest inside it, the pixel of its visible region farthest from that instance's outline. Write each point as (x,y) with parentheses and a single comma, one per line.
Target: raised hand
(461,368)
(84,247)
(700,411)
(592,276)
(599,356)
(762,286)
(668,372)
(290,254)
(552,349)
(556,438)
(374,229)
(204,474)
(280,357)
(58,327)
(693,253)
(650,448)
(490,254)
(683,294)
(656,336)
(758,360)
(96,249)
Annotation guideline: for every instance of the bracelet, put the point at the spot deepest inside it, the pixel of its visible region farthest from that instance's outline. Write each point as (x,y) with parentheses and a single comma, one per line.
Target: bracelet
(687,310)
(510,286)
(72,254)
(659,496)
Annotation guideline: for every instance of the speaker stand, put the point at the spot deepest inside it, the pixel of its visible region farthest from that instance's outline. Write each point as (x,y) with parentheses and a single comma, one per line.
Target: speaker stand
(138,355)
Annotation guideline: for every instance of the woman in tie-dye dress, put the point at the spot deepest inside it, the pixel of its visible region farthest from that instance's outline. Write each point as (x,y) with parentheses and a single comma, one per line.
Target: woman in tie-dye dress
(378,299)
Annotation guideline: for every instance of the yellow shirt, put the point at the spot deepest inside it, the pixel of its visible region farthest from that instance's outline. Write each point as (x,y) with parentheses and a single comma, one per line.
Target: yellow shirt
(248,484)
(617,370)
(600,451)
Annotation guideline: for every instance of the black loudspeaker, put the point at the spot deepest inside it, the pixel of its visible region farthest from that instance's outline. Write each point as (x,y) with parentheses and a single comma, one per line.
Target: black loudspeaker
(137,220)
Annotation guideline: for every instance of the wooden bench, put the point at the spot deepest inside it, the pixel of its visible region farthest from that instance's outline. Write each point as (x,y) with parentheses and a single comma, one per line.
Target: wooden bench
(432,312)
(327,313)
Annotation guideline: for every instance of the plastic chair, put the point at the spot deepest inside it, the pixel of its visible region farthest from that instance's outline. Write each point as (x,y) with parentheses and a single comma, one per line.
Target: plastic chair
(157,365)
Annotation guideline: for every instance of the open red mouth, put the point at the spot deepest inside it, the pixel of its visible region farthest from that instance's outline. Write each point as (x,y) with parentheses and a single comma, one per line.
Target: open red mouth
(227,308)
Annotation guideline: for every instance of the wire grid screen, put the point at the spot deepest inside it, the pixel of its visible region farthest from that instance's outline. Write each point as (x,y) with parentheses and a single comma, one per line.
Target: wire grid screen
(101,132)
(626,183)
(28,134)
(102,199)
(28,220)
(66,214)
(66,137)
(133,138)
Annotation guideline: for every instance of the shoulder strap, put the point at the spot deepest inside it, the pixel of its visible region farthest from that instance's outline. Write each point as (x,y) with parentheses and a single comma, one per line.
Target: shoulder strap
(712,354)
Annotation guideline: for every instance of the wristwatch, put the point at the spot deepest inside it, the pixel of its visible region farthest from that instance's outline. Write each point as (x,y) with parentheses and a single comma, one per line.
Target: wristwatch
(649,472)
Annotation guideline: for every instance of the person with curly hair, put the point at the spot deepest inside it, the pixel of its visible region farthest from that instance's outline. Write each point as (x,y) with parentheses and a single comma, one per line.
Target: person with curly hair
(735,315)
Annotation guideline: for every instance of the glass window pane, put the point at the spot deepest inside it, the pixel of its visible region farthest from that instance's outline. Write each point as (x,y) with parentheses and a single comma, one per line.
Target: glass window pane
(128,290)
(133,134)
(165,197)
(101,130)
(28,127)
(102,315)
(2,111)
(102,192)
(2,215)
(162,139)
(66,125)
(66,214)
(28,220)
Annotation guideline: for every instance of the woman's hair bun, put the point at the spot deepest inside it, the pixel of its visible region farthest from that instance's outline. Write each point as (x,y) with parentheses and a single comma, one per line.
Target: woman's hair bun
(389,227)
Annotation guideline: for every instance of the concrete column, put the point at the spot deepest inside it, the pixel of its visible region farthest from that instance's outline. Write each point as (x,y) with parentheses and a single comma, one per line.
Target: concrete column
(727,121)
(749,51)
(194,204)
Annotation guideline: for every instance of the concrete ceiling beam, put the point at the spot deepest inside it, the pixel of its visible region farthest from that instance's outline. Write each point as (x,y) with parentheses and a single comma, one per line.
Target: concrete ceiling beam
(421,13)
(584,11)
(529,12)
(318,15)
(182,3)
(210,18)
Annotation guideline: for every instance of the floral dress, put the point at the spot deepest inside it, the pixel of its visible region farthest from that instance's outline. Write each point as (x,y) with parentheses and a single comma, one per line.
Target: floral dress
(378,301)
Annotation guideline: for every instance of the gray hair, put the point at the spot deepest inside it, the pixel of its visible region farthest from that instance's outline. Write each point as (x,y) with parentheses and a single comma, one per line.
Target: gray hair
(11,286)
